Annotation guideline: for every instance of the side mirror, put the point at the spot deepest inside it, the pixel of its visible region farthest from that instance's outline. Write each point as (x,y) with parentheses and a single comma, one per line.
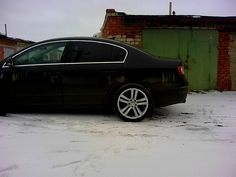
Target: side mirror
(9,63)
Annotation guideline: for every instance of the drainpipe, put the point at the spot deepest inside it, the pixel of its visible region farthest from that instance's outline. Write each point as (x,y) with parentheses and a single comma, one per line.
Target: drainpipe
(170,8)
(5,29)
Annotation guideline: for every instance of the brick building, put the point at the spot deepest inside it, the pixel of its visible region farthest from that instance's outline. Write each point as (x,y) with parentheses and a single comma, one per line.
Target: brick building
(10,45)
(206,45)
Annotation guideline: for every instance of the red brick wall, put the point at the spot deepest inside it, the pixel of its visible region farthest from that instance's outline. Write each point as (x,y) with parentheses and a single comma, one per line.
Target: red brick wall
(1,53)
(6,43)
(12,44)
(224,80)
(115,28)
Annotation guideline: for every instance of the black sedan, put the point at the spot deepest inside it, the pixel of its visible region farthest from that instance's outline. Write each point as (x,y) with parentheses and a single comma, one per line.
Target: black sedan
(90,73)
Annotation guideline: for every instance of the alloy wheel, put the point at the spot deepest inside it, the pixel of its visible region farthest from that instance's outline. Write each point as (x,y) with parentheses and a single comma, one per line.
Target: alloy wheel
(133,103)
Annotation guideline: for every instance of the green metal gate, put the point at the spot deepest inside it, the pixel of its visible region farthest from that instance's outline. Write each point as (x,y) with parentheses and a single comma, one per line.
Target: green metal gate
(197,49)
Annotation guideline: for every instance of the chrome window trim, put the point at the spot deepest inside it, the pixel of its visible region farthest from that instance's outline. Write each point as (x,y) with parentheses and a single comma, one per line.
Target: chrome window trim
(31,65)
(4,66)
(74,63)
(55,64)
(43,43)
(88,63)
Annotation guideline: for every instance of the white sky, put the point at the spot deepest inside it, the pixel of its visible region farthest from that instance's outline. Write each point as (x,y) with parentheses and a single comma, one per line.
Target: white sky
(43,19)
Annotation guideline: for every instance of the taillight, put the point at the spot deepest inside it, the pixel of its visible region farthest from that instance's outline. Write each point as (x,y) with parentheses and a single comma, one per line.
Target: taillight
(180,70)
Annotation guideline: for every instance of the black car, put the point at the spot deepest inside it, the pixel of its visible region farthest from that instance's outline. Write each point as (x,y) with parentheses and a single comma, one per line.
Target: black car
(90,73)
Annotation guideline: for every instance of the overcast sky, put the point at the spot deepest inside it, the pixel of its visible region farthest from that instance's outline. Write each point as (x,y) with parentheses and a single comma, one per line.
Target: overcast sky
(43,19)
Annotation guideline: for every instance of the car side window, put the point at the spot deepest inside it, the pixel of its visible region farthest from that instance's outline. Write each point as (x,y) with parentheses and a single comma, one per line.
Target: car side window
(118,54)
(46,53)
(95,52)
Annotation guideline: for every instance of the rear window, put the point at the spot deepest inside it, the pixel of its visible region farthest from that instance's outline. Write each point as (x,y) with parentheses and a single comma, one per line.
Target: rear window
(95,52)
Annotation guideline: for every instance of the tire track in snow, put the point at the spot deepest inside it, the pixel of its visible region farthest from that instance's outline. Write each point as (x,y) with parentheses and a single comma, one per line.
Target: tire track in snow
(12,167)
(66,164)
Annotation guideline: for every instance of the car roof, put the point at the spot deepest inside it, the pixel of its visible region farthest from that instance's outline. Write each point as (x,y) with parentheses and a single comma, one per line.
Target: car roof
(84,38)
(112,41)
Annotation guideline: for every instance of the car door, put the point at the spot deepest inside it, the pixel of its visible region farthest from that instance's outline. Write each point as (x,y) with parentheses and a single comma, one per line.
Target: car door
(36,75)
(90,72)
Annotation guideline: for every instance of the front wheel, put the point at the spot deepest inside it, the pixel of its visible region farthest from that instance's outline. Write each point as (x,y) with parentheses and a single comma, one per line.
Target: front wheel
(133,103)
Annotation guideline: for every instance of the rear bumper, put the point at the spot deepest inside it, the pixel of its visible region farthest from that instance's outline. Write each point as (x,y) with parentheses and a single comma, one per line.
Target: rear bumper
(171,95)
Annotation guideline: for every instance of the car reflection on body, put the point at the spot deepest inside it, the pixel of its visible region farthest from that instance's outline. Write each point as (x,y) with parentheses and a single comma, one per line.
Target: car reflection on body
(90,73)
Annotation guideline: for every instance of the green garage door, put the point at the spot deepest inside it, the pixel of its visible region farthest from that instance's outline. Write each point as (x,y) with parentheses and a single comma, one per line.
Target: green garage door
(197,49)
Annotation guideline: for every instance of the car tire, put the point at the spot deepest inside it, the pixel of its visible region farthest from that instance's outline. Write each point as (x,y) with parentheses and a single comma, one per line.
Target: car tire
(132,103)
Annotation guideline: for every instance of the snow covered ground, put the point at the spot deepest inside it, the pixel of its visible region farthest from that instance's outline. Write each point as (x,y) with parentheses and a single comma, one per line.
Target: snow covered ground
(195,139)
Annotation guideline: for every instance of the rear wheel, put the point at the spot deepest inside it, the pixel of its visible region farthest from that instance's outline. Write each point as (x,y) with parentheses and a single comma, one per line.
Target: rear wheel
(133,103)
